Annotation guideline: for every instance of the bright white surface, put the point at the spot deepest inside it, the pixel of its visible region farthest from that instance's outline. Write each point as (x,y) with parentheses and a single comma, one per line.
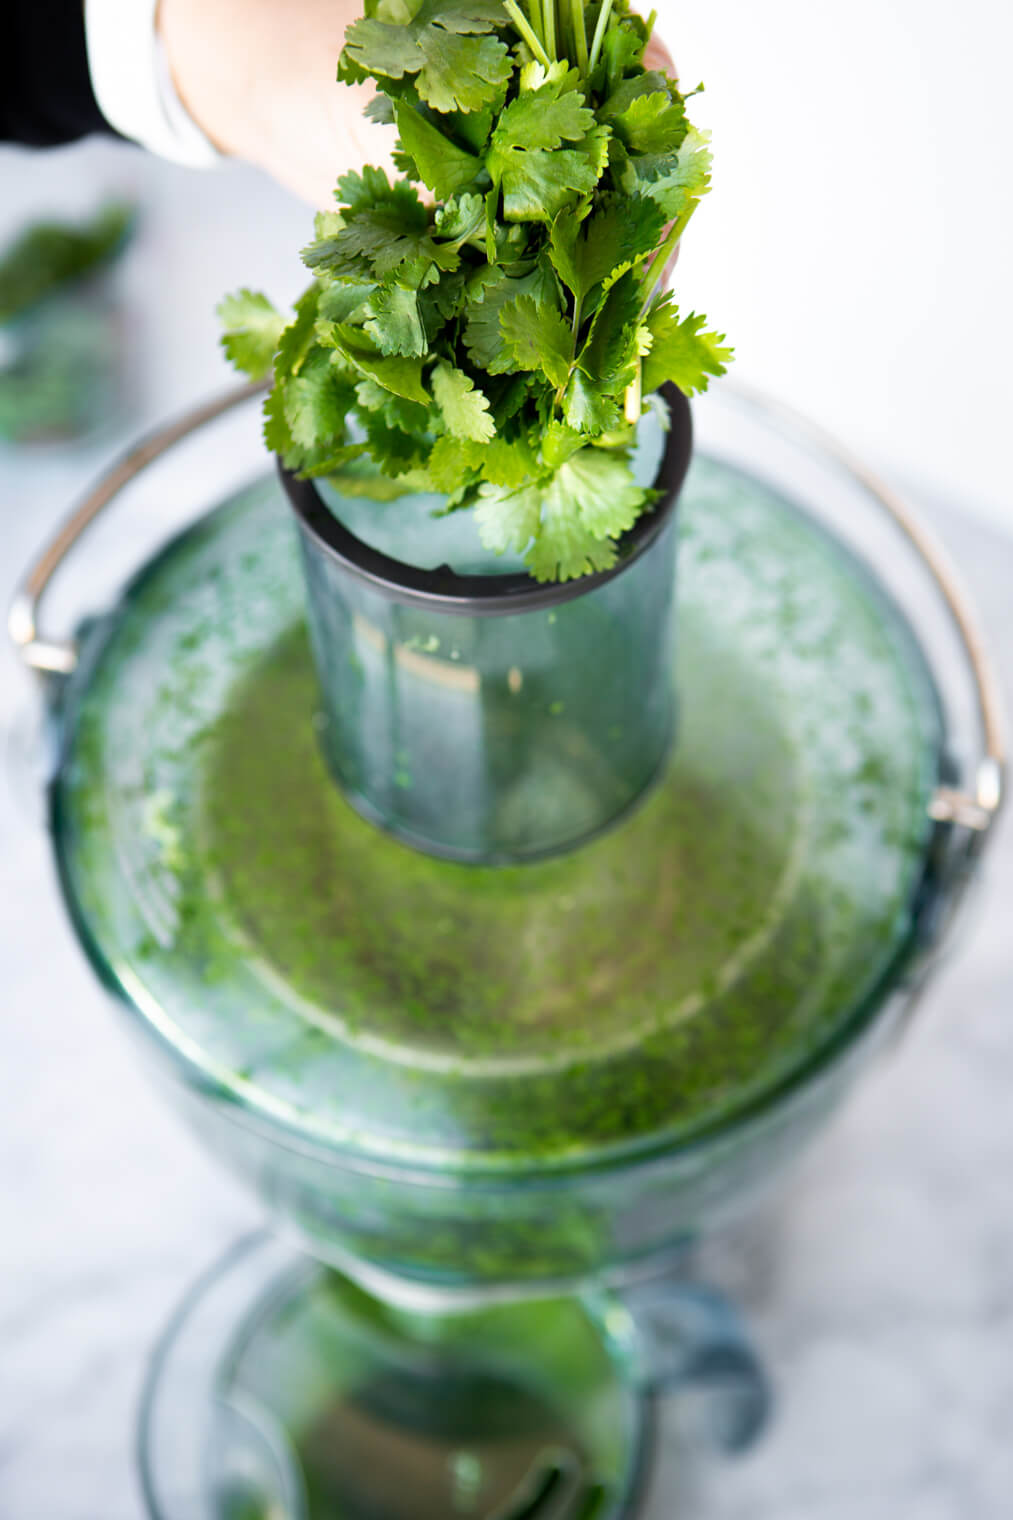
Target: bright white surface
(858,243)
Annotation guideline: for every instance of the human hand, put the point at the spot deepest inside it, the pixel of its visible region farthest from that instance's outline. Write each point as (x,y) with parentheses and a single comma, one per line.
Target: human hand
(258,76)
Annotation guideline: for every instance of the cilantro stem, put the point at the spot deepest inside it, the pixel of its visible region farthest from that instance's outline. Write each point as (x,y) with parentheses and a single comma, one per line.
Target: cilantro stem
(599,34)
(633,400)
(549,29)
(579,34)
(522,24)
(656,268)
(535,11)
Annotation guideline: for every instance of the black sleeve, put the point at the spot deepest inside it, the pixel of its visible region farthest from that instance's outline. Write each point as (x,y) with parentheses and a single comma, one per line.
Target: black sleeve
(45,88)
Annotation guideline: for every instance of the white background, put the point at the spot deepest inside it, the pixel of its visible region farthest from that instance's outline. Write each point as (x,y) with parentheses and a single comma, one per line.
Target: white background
(858,244)
(857,247)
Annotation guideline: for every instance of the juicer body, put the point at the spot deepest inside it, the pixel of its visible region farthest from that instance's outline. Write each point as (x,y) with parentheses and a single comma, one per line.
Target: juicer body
(439,1239)
(492,1227)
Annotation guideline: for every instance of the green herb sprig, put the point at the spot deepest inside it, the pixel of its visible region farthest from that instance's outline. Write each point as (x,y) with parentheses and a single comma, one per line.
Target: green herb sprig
(496,342)
(50,255)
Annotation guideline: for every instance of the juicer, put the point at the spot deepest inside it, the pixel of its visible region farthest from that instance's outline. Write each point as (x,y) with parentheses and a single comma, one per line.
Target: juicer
(505,953)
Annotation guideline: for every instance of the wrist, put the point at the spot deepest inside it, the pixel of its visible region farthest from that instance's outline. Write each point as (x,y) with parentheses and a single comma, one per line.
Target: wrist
(133,84)
(191,39)
(229,60)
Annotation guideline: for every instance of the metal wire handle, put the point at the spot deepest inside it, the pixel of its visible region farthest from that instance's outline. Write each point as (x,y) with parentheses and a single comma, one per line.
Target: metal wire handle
(948,805)
(59,656)
(975,811)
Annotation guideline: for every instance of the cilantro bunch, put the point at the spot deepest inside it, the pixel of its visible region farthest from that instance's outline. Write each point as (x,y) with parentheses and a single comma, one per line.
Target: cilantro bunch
(494,339)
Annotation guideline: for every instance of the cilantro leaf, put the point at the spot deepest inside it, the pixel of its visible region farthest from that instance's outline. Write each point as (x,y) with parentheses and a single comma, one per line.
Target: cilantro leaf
(465,409)
(564,548)
(545,117)
(647,114)
(537,338)
(441,164)
(559,443)
(402,376)
(621,230)
(328,461)
(316,403)
(628,89)
(380,240)
(355,474)
(277,433)
(409,416)
(678,182)
(652,124)
(538,176)
(452,460)
(622,49)
(395,323)
(347,302)
(461,73)
(538,182)
(563,240)
(488,297)
(253,329)
(586,408)
(566,527)
(380,109)
(508,464)
(498,461)
(471,127)
(441,301)
(508,520)
(298,338)
(461,217)
(609,356)
(371,188)
(327,223)
(600,483)
(383,227)
(394,450)
(590,500)
(445,47)
(680,351)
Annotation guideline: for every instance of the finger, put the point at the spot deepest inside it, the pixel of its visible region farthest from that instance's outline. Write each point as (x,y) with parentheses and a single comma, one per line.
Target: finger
(657,56)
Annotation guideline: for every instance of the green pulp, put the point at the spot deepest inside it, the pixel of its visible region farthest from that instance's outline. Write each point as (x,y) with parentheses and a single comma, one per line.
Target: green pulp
(636,991)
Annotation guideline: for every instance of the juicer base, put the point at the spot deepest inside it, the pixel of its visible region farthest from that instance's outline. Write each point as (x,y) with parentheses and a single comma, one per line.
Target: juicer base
(281,1391)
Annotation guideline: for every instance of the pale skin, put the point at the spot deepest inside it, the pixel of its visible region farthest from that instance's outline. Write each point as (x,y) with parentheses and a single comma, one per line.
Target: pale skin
(258,76)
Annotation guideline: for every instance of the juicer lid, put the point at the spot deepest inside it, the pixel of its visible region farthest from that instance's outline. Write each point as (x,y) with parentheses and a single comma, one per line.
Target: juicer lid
(659,982)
